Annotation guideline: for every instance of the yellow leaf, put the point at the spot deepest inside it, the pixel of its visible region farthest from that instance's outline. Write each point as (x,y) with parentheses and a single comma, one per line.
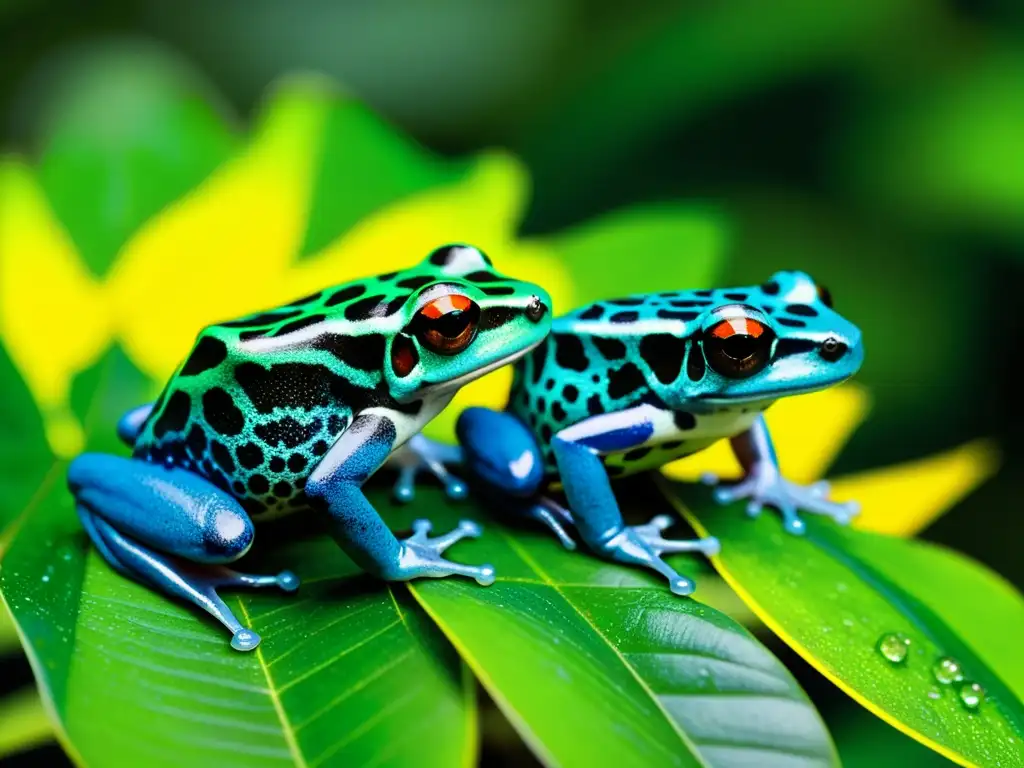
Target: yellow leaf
(223,250)
(53,319)
(902,500)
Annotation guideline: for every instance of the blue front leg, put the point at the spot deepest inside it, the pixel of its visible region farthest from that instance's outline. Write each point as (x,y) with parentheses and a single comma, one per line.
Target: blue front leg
(170,529)
(336,486)
(594,508)
(763,484)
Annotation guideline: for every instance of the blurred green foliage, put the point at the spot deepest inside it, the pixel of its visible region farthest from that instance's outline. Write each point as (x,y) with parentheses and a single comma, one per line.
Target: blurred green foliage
(873,143)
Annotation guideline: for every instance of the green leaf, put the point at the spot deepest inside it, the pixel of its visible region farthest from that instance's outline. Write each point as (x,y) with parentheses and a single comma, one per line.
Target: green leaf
(130,128)
(364,165)
(682,246)
(25,724)
(598,664)
(835,592)
(25,456)
(350,671)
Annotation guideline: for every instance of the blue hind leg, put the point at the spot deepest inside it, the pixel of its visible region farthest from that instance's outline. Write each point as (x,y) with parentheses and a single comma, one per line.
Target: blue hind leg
(170,530)
(499,450)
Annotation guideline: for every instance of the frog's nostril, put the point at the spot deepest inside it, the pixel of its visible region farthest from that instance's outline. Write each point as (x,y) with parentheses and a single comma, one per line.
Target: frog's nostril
(535,310)
(832,349)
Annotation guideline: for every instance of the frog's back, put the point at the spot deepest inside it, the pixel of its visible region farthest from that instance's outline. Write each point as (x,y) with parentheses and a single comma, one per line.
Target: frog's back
(259,400)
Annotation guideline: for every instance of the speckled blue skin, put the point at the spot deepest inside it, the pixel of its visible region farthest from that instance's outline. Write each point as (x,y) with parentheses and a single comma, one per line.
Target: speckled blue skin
(627,385)
(293,409)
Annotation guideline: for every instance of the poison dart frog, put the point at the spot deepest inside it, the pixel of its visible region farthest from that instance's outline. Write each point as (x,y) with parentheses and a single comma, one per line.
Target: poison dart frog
(291,410)
(627,385)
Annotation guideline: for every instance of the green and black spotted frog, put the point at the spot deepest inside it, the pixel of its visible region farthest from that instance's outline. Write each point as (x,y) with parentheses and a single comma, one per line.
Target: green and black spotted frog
(630,384)
(293,409)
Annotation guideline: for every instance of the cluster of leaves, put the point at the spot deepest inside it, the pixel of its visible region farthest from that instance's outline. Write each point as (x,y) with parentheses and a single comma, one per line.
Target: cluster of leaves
(589,662)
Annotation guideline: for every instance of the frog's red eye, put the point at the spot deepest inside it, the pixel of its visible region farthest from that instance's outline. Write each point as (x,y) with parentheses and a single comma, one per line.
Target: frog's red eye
(738,347)
(448,324)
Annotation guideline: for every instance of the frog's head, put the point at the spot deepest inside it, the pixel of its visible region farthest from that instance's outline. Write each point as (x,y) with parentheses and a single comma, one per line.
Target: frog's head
(781,338)
(461,321)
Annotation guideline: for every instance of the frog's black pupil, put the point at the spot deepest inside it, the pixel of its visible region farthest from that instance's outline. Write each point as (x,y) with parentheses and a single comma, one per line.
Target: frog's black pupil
(451,324)
(740,346)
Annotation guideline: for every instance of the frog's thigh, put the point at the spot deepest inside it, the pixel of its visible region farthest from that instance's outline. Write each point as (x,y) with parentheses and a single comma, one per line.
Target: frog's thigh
(171,510)
(499,449)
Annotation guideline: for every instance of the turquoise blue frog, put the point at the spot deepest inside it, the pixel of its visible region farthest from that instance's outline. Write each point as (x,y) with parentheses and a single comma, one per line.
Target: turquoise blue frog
(627,385)
(293,409)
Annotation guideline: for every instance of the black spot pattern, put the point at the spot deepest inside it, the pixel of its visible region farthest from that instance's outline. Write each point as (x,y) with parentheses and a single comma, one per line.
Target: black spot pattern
(772,288)
(610,349)
(364,353)
(209,353)
(196,441)
(695,365)
(671,314)
(557,411)
(570,393)
(663,354)
(258,484)
(636,454)
(498,290)
(364,309)
(592,313)
(594,406)
(175,414)
(297,462)
(282,489)
(735,296)
(791,323)
(415,283)
(222,456)
(627,302)
(287,431)
(276,465)
(345,294)
(285,385)
(625,317)
(624,380)
(569,352)
(298,325)
(483,277)
(690,303)
(802,310)
(684,420)
(249,455)
(221,413)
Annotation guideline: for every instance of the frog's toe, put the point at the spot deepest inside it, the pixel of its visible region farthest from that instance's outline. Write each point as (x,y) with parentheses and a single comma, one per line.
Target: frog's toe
(455,488)
(287,581)
(422,554)
(244,640)
(794,525)
(681,586)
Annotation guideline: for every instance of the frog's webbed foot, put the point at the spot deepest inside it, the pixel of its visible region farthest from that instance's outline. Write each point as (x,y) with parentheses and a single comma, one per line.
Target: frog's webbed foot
(191,581)
(644,545)
(421,454)
(768,488)
(421,554)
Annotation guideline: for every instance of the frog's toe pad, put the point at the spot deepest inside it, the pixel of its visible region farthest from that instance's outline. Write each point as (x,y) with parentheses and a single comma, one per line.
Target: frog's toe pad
(681,586)
(287,581)
(244,640)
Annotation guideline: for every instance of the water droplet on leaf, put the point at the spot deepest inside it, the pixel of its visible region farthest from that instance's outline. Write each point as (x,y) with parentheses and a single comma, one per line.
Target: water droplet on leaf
(972,694)
(947,671)
(933,694)
(894,647)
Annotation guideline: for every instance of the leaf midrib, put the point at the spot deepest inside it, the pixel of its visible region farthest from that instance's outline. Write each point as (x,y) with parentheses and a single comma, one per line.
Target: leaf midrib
(535,567)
